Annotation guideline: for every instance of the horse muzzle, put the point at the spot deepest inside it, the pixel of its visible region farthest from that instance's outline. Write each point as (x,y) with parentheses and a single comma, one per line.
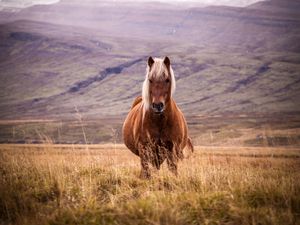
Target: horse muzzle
(158,108)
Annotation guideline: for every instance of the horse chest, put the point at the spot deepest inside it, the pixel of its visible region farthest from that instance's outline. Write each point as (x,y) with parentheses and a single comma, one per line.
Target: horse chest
(155,134)
(158,134)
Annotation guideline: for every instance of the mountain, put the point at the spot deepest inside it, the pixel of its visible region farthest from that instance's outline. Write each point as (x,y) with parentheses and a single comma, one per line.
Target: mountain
(91,56)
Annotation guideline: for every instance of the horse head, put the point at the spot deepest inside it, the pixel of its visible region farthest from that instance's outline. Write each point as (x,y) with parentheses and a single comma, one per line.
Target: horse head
(159,85)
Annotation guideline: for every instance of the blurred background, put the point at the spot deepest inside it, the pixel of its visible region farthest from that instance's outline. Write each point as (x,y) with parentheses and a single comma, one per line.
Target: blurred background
(69,65)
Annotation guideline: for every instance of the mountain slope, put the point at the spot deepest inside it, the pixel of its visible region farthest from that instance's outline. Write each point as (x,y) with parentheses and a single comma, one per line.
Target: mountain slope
(226,59)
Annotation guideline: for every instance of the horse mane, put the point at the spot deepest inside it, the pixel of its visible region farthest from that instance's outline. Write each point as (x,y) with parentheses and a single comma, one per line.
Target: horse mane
(157,72)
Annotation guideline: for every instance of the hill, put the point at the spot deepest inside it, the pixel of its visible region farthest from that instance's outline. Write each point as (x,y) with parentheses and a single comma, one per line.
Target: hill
(90,57)
(226,59)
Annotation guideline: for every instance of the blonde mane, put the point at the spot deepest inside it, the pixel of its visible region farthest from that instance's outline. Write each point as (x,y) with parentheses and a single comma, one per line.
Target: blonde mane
(157,71)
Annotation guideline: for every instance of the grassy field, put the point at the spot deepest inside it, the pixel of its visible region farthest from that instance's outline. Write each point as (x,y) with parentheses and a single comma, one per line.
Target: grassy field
(226,130)
(99,184)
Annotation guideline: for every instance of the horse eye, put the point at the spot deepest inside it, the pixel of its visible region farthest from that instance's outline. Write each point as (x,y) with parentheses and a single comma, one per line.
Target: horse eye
(150,81)
(167,80)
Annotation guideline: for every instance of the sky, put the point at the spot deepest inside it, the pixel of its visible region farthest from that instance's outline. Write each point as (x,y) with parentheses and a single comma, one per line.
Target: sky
(27,3)
(23,3)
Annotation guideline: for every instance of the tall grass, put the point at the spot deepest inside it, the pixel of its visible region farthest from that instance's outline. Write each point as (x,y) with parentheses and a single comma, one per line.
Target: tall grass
(50,184)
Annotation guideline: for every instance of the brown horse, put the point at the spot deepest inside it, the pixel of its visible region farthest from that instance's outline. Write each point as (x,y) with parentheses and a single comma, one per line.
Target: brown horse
(155,128)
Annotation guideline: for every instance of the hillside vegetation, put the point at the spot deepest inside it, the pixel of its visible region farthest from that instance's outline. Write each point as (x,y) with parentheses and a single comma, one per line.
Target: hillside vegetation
(93,56)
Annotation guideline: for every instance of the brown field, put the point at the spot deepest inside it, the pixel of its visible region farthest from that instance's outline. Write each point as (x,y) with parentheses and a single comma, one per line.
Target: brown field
(99,184)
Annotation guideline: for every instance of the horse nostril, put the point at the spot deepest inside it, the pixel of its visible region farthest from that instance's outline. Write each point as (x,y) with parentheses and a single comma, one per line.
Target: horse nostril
(159,107)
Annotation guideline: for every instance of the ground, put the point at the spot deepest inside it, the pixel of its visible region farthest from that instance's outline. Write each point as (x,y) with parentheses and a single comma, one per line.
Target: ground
(100,184)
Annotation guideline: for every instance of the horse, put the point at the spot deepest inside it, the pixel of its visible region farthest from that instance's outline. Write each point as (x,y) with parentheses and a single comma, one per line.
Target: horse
(155,129)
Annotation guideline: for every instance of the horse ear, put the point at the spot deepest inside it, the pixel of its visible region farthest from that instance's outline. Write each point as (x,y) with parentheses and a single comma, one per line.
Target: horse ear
(150,61)
(167,61)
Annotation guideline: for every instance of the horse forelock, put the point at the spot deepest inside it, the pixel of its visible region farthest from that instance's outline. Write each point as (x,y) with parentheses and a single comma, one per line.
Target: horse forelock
(158,71)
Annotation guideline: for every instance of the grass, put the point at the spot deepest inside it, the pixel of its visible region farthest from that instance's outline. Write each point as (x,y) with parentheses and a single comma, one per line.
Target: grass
(99,184)
(225,130)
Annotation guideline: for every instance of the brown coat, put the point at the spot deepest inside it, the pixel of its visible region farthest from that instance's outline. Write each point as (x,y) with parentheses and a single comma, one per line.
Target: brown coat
(155,128)
(163,136)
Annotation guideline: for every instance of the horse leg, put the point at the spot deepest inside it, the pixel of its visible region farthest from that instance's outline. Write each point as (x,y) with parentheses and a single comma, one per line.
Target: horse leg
(172,158)
(161,158)
(172,163)
(158,157)
(179,153)
(145,170)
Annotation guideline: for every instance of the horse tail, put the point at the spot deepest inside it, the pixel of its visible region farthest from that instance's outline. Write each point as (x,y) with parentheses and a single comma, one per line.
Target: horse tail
(190,147)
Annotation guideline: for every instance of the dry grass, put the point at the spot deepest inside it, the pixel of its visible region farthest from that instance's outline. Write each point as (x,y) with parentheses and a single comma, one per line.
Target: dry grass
(65,184)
